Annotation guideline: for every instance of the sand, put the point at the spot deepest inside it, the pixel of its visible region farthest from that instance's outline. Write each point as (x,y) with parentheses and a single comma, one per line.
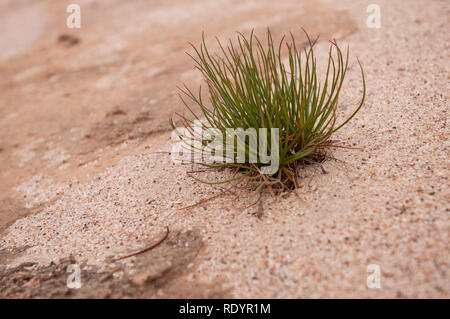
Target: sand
(386,204)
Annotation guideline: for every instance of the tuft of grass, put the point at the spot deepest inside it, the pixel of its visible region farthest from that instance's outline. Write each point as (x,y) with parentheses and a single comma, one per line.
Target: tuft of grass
(250,86)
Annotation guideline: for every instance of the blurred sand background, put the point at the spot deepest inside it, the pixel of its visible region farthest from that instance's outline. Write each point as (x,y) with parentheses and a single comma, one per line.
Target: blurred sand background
(84,177)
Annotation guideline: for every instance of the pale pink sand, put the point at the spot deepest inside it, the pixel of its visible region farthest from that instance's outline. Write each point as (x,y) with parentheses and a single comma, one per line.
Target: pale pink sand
(385,205)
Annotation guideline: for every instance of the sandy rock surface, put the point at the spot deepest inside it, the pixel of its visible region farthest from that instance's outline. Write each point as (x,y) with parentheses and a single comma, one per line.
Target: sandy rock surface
(85,174)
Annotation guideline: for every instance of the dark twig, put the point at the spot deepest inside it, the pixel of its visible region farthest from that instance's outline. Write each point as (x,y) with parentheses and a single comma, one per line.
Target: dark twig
(146,249)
